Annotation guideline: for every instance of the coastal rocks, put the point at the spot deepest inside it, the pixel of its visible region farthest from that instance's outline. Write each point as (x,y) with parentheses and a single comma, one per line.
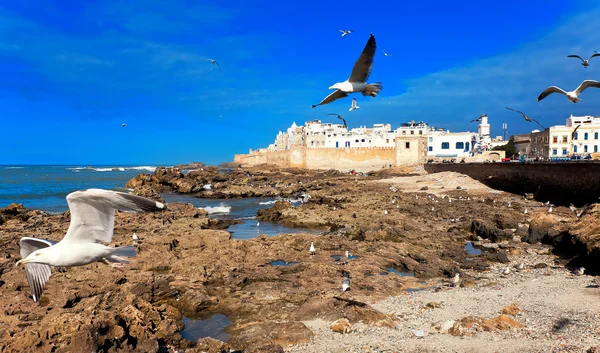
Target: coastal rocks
(488,230)
(547,228)
(341,326)
(584,240)
(270,336)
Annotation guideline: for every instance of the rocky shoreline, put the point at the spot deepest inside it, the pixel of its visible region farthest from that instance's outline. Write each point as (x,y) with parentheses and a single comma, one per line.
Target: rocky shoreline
(407,229)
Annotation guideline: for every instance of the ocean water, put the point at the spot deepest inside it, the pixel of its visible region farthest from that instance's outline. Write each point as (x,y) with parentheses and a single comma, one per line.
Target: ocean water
(45,187)
(243,209)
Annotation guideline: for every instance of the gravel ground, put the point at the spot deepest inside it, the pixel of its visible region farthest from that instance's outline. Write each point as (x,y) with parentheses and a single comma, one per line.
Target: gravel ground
(561,313)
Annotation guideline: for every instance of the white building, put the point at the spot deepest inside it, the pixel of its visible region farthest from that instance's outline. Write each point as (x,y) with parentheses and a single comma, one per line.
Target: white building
(451,145)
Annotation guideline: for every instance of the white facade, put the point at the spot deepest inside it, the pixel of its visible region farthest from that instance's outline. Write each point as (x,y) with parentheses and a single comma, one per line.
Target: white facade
(447,144)
(579,136)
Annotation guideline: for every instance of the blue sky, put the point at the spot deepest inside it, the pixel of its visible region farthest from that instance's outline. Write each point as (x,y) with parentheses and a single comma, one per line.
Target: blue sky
(72,71)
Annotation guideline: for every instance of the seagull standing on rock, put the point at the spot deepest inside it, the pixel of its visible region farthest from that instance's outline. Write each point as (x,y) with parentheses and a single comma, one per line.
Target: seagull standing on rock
(92,223)
(357,82)
(311,250)
(345,284)
(571,95)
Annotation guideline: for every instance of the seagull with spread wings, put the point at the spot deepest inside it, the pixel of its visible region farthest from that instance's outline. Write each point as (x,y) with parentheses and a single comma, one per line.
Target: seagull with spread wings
(527,119)
(213,61)
(357,82)
(92,223)
(345,31)
(585,63)
(342,119)
(572,95)
(478,119)
(353,106)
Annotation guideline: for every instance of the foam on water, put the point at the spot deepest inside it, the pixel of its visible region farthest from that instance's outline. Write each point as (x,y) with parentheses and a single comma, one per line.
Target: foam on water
(216,209)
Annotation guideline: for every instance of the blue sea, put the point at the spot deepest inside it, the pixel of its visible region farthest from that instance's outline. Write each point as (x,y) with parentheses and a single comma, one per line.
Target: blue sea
(46,188)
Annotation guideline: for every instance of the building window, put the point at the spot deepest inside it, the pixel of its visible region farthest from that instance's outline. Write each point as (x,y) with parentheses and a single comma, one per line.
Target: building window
(564,151)
(387,140)
(420,132)
(585,148)
(585,136)
(403,132)
(554,139)
(554,152)
(407,145)
(412,132)
(574,149)
(467,146)
(460,145)
(595,148)
(575,136)
(347,143)
(565,139)
(595,135)
(363,140)
(431,139)
(445,145)
(356,141)
(430,148)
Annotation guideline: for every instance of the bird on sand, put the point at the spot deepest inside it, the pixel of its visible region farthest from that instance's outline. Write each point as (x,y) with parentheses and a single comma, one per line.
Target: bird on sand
(571,95)
(340,117)
(345,284)
(478,119)
(585,63)
(353,106)
(213,61)
(579,271)
(528,119)
(357,82)
(92,223)
(311,250)
(345,31)
(123,125)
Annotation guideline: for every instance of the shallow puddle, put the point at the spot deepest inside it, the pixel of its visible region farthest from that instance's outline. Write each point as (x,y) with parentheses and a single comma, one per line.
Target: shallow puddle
(471,250)
(212,327)
(282,263)
(403,274)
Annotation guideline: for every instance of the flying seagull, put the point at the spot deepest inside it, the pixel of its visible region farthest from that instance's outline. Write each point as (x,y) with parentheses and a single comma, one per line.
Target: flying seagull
(572,95)
(92,223)
(528,119)
(123,125)
(353,106)
(478,119)
(342,119)
(345,31)
(213,61)
(585,63)
(384,53)
(357,82)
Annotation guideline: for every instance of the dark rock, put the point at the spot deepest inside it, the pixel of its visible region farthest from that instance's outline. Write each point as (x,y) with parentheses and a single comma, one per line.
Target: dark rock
(487,230)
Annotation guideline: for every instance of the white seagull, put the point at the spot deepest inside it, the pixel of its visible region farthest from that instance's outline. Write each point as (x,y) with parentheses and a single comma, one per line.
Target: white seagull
(123,125)
(585,63)
(345,284)
(572,95)
(213,61)
(353,106)
(384,53)
(357,82)
(311,250)
(135,236)
(345,31)
(92,223)
(304,197)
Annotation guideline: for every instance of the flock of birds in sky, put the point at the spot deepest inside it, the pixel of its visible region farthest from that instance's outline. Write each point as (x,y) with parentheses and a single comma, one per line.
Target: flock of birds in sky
(572,96)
